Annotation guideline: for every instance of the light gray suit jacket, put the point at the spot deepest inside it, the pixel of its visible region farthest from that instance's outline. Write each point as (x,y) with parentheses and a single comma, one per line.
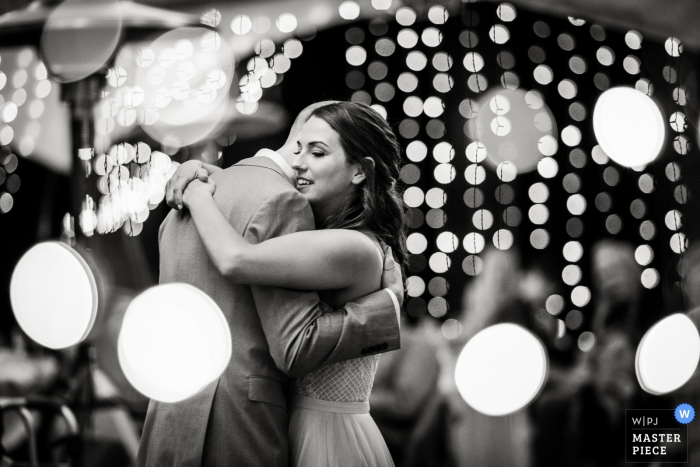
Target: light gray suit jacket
(241,419)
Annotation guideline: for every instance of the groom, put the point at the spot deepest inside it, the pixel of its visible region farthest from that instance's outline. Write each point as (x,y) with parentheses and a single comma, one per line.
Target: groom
(241,419)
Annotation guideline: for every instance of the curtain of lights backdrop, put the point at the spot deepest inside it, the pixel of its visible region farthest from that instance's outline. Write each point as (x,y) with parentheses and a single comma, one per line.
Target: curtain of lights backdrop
(436,75)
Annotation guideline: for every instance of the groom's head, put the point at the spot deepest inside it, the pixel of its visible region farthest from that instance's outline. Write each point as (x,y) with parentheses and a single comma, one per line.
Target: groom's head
(290,146)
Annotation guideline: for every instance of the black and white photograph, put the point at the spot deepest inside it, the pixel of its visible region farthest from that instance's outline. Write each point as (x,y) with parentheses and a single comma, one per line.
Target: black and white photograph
(349,233)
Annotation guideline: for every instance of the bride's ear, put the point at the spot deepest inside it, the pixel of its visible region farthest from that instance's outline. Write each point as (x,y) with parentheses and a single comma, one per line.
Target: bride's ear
(360,175)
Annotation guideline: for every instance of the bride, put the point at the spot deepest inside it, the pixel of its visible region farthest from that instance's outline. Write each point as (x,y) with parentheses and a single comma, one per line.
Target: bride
(347,166)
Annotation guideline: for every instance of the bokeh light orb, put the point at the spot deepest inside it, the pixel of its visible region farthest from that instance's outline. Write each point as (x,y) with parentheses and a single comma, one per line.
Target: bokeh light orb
(668,354)
(510,128)
(501,369)
(74,48)
(628,126)
(54,295)
(174,341)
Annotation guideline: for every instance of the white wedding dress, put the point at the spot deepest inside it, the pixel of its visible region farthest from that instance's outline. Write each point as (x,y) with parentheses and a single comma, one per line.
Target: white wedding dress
(330,424)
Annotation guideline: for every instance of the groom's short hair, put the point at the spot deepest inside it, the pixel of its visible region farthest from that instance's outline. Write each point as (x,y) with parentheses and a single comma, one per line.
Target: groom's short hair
(302,118)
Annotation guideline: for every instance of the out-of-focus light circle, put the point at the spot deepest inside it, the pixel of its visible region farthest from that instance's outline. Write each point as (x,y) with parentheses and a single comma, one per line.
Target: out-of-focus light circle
(472,265)
(673,220)
(586,341)
(286,22)
(174,341)
(73,53)
(501,126)
(499,34)
(571,136)
(416,243)
(416,151)
(241,24)
(555,304)
(431,37)
(628,126)
(407,38)
(506,12)
(473,243)
(438,14)
(54,295)
(668,355)
(650,278)
(405,16)
(439,262)
(647,230)
(501,369)
(538,214)
(547,167)
(349,10)
(413,197)
(435,198)
(573,251)
(476,152)
(503,239)
(381,4)
(605,56)
(482,219)
(444,173)
(547,145)
(447,242)
(473,62)
(633,39)
(6,203)
(576,204)
(19,79)
(678,243)
(506,171)
(580,296)
(475,174)
(644,255)
(539,239)
(9,112)
(433,107)
(356,55)
(538,192)
(416,286)
(543,74)
(416,61)
(6,135)
(673,47)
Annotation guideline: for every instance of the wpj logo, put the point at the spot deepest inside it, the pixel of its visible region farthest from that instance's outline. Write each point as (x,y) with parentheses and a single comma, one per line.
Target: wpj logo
(659,435)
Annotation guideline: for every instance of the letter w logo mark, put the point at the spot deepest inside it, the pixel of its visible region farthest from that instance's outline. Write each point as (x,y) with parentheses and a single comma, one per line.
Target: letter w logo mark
(684,413)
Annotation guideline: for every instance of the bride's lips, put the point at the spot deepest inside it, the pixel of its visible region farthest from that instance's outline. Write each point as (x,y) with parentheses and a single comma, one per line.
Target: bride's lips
(302,182)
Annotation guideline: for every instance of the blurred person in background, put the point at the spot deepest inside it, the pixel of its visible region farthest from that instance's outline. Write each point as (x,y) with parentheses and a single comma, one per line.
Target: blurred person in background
(476,439)
(689,393)
(580,414)
(403,385)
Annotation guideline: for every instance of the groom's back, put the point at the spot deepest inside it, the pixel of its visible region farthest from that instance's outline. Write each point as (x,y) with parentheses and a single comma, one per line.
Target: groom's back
(242,419)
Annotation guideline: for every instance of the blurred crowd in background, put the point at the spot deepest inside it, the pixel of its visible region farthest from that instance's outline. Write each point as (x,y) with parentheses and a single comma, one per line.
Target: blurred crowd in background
(577,420)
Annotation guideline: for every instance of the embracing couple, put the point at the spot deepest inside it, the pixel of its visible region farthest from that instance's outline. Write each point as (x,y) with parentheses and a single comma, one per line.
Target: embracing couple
(322,213)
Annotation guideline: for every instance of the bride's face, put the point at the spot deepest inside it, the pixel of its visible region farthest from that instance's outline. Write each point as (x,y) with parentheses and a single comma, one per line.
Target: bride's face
(324,175)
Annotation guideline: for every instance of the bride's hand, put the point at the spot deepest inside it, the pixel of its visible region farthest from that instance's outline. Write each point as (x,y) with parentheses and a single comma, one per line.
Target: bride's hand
(198,190)
(185,173)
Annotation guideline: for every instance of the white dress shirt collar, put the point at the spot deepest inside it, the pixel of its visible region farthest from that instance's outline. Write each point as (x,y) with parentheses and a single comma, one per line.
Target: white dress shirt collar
(279,160)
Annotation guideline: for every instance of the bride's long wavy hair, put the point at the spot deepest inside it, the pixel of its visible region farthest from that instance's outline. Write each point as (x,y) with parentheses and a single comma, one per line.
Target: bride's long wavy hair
(376,205)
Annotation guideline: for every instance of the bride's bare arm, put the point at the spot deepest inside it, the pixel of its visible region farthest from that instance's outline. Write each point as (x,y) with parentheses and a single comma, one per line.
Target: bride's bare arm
(312,260)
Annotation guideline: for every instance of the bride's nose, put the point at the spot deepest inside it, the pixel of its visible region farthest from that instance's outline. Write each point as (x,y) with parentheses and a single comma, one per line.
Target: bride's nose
(299,164)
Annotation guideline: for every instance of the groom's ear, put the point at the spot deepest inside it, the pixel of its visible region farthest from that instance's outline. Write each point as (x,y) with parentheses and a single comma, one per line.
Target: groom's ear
(360,175)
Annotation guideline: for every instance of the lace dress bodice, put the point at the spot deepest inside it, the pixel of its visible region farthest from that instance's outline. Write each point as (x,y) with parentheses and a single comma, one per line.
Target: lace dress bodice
(348,381)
